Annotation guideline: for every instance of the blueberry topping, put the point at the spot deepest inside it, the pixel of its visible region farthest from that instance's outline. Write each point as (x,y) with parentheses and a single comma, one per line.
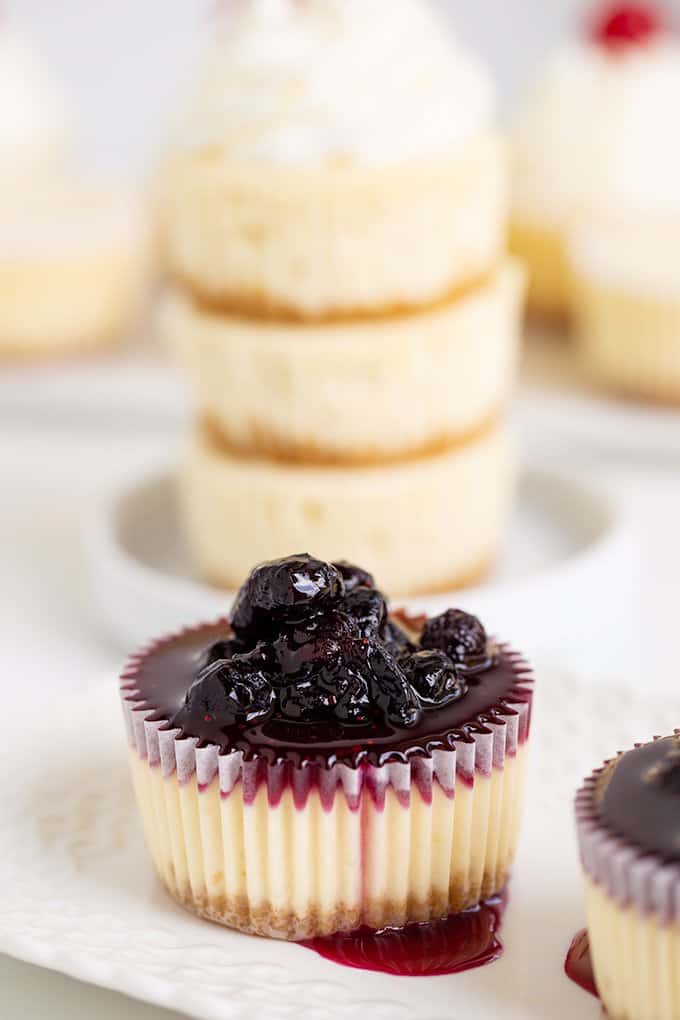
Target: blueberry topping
(396,640)
(283,590)
(354,577)
(221,650)
(230,691)
(459,634)
(368,608)
(334,690)
(313,644)
(434,676)
(319,642)
(390,689)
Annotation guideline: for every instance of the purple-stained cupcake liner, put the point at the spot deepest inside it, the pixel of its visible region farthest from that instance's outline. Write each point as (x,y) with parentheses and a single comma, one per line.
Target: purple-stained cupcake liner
(477,748)
(634,878)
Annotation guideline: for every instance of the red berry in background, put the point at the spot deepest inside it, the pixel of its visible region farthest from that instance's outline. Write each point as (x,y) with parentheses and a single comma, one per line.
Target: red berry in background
(620,26)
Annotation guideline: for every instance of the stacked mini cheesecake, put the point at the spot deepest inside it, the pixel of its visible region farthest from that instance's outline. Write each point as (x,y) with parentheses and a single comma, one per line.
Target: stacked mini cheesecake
(74,250)
(334,222)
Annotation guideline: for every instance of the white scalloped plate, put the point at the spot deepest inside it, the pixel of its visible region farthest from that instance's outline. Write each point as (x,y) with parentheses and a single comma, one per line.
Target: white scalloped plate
(570,545)
(79,894)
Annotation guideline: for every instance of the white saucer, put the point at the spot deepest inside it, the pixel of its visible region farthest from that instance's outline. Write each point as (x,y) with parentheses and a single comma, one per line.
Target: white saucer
(79,894)
(554,401)
(565,573)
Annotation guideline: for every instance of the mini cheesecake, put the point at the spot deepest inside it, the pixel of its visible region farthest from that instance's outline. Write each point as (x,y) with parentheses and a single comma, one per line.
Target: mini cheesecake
(314,764)
(327,244)
(423,525)
(349,392)
(629,836)
(325,168)
(626,300)
(594,134)
(75,267)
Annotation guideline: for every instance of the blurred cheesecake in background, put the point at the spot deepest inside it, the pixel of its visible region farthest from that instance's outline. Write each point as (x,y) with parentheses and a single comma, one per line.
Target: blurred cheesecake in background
(36,132)
(626,304)
(595,133)
(73,252)
(333,216)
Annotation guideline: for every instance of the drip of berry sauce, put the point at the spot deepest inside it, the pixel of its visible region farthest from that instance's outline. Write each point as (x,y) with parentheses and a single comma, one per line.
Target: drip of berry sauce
(457,943)
(578,965)
(620,26)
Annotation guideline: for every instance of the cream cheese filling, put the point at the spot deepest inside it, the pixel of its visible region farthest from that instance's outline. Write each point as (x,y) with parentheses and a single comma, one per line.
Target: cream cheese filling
(281,870)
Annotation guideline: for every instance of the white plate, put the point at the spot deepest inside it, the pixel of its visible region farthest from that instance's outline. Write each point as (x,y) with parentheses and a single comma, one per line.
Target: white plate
(565,573)
(79,894)
(554,400)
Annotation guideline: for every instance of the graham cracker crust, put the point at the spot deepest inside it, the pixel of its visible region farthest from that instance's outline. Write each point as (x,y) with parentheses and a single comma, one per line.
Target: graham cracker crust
(66,352)
(634,394)
(268,446)
(269,922)
(267,309)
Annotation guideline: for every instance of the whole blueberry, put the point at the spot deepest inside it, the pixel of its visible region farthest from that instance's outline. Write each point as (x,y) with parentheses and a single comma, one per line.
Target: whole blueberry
(282,590)
(320,640)
(368,608)
(228,692)
(459,634)
(434,677)
(353,576)
(223,649)
(390,689)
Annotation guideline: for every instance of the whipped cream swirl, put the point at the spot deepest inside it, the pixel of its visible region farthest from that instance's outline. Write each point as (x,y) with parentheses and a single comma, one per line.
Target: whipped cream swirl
(368,81)
(35,130)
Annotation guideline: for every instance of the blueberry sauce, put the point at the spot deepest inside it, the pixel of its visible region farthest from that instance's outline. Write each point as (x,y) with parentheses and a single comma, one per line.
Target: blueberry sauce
(578,965)
(459,942)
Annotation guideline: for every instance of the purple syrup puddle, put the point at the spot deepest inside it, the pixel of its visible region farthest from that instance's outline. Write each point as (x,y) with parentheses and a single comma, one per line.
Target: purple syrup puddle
(578,965)
(456,943)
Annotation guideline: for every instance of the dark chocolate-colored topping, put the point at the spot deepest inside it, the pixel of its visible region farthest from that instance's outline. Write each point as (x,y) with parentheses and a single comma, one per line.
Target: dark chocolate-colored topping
(312,667)
(639,797)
